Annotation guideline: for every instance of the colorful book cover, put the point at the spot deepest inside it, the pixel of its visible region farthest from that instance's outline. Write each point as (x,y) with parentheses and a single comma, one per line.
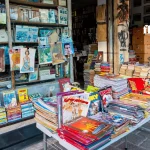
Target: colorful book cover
(100,56)
(67,46)
(57,54)
(9,98)
(51,16)
(2,60)
(90,57)
(95,103)
(14,55)
(106,96)
(63,15)
(45,56)
(23,95)
(27,60)
(65,84)
(74,106)
(34,75)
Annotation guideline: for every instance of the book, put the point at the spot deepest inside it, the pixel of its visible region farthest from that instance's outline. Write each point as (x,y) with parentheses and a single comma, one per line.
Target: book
(14,55)
(88,127)
(63,15)
(33,76)
(23,95)
(9,98)
(62,2)
(65,84)
(57,54)
(95,103)
(74,106)
(45,56)
(2,60)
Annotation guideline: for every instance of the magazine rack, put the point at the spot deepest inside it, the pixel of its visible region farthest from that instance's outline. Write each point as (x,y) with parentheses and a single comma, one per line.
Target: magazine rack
(68,146)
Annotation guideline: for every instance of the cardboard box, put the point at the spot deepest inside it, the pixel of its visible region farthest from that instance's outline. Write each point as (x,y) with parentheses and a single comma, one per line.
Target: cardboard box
(101,32)
(101,13)
(138,31)
(140,49)
(143,58)
(141,40)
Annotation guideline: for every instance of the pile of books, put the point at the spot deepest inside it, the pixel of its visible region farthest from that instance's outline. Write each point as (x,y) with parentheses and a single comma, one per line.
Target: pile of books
(123,69)
(130,70)
(132,56)
(85,133)
(88,77)
(133,112)
(121,125)
(144,72)
(27,109)
(97,68)
(3,117)
(14,114)
(137,71)
(118,84)
(35,97)
(46,114)
(105,68)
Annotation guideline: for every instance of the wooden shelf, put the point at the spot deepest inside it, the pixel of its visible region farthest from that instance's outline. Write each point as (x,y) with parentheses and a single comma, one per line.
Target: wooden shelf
(41,5)
(25,43)
(37,23)
(3,43)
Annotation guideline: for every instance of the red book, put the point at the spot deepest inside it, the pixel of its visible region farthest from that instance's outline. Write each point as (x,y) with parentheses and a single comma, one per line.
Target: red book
(87,127)
(64,84)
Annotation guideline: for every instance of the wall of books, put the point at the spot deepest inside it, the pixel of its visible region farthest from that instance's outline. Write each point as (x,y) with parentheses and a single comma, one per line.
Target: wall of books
(36,48)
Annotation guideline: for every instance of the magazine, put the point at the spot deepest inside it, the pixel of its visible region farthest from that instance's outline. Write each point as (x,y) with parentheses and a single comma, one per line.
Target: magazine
(27,60)
(23,95)
(63,15)
(2,60)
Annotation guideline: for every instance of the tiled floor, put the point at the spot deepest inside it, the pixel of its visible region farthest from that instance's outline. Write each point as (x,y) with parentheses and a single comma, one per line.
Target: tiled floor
(138,140)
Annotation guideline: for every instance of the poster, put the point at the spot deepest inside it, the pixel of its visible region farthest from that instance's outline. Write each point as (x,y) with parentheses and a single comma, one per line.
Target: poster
(57,53)
(45,56)
(63,15)
(27,60)
(67,46)
(14,55)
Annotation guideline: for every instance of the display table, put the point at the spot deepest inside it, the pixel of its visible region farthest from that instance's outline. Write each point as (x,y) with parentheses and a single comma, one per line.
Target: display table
(68,146)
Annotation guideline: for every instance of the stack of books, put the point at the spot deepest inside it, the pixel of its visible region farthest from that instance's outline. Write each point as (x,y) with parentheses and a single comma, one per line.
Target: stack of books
(97,68)
(88,77)
(3,117)
(130,70)
(14,114)
(123,69)
(105,68)
(120,124)
(148,74)
(46,115)
(137,71)
(133,112)
(132,56)
(27,109)
(85,133)
(35,97)
(144,72)
(118,84)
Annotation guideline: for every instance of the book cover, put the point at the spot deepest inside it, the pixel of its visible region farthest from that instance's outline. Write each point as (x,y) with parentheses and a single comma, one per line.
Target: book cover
(27,60)
(57,54)
(51,16)
(67,46)
(95,103)
(65,84)
(34,75)
(14,55)
(88,127)
(2,60)
(23,95)
(90,57)
(63,15)
(62,2)
(9,98)
(45,56)
(74,106)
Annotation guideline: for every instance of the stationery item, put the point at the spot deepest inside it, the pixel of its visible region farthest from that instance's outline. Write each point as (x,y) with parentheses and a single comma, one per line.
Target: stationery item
(51,17)
(34,75)
(9,98)
(58,57)
(27,60)
(3,36)
(67,46)
(65,84)
(23,95)
(45,56)
(62,2)
(2,60)
(14,55)
(74,106)
(63,15)
(14,12)
(2,14)
(44,15)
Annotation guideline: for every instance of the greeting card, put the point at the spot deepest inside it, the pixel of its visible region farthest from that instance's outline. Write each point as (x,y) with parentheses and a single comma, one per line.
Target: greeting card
(57,54)
(27,60)
(45,56)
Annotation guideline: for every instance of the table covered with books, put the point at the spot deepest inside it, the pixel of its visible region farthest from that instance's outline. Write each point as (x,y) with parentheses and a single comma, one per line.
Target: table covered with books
(94,118)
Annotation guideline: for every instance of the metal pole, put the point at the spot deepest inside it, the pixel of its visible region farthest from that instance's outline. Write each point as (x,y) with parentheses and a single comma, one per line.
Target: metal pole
(70,34)
(126,144)
(9,38)
(45,141)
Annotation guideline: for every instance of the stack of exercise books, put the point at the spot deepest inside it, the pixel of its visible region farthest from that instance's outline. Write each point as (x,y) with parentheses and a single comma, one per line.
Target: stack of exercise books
(97,68)
(27,109)
(120,124)
(85,133)
(118,84)
(105,68)
(137,71)
(130,70)
(46,115)
(144,72)
(14,114)
(35,97)
(123,69)
(133,112)
(3,117)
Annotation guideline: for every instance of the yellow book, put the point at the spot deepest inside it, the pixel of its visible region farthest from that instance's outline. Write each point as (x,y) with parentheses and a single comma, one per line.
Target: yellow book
(23,95)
